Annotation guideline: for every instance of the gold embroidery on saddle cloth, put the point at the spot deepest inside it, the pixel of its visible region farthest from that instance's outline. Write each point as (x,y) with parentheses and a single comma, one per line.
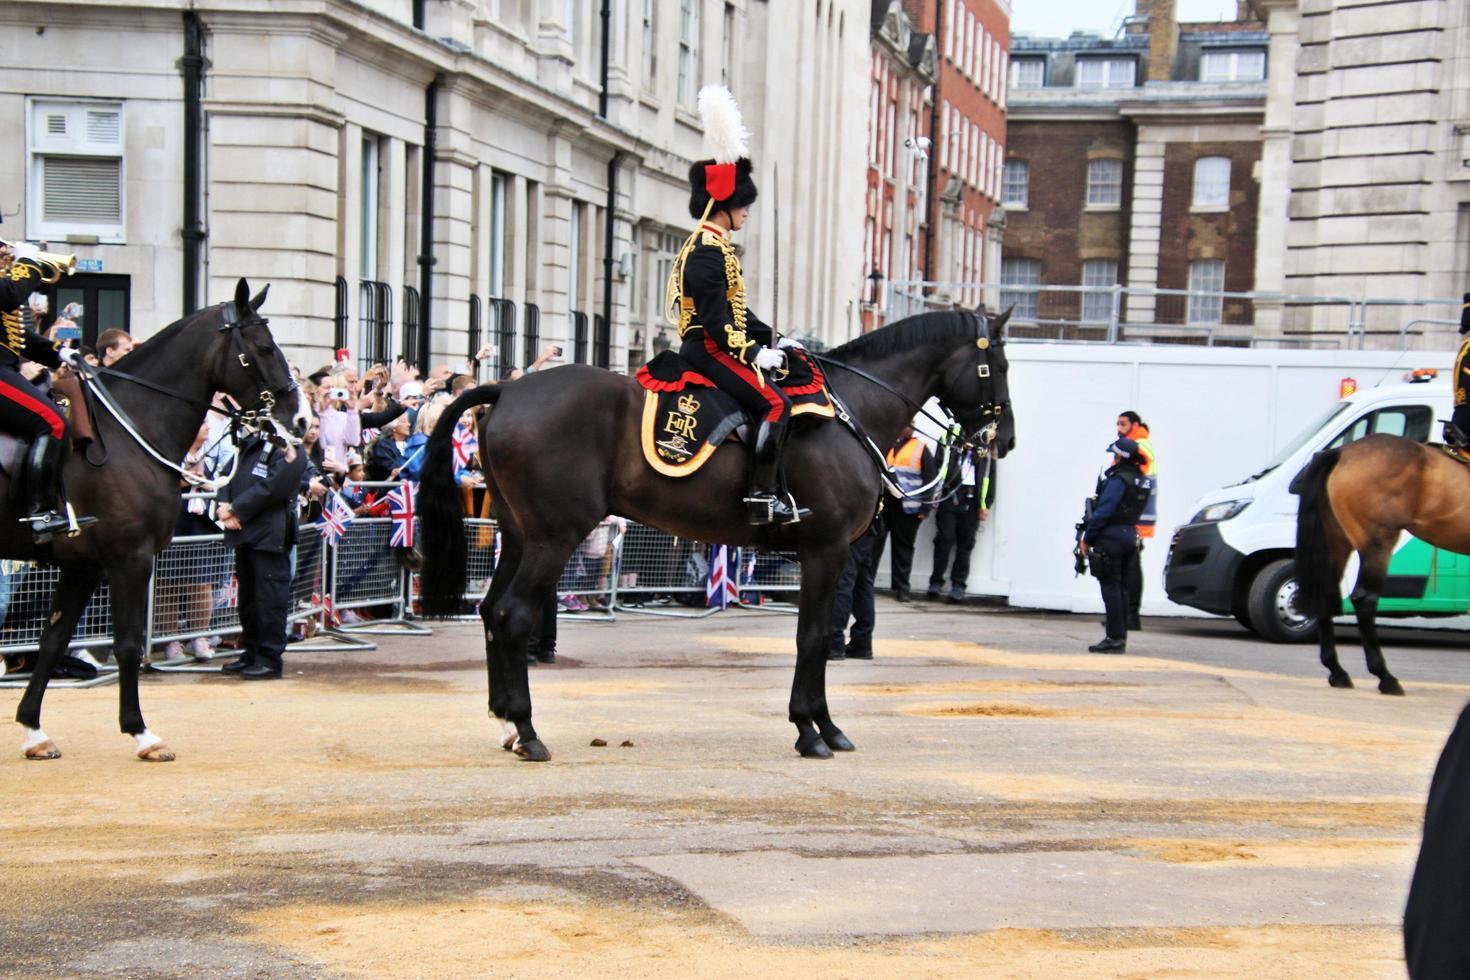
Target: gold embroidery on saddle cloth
(675,455)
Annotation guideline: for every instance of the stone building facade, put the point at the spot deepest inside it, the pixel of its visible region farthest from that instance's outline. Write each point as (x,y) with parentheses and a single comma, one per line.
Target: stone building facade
(1133,161)
(555,193)
(1366,162)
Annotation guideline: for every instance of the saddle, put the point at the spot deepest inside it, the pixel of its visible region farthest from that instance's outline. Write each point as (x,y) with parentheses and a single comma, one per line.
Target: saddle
(686,418)
(68,395)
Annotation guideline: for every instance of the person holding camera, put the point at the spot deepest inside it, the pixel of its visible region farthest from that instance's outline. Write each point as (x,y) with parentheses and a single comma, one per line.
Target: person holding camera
(1110,539)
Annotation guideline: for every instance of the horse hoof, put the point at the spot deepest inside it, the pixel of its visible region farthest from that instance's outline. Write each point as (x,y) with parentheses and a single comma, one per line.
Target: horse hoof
(42,751)
(811,746)
(1391,686)
(158,753)
(1340,680)
(508,743)
(839,742)
(533,751)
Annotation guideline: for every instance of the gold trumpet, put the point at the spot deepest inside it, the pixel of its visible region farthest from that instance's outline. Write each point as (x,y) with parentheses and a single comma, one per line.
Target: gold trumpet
(54,265)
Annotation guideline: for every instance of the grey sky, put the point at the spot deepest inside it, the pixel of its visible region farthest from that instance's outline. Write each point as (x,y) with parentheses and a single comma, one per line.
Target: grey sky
(1058,18)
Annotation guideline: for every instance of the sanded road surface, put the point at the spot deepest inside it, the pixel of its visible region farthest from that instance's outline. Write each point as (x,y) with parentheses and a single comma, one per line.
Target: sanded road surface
(1205,806)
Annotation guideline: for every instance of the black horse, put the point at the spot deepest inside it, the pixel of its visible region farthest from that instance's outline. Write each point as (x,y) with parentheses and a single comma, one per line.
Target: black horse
(169,383)
(562,449)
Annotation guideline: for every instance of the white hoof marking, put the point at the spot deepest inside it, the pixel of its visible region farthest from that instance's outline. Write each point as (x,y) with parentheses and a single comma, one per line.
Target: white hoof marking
(34,737)
(146,740)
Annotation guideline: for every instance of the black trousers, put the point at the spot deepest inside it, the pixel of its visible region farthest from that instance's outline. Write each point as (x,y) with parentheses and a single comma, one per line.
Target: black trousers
(1114,549)
(904,529)
(1133,581)
(265,601)
(955,529)
(855,593)
(1436,943)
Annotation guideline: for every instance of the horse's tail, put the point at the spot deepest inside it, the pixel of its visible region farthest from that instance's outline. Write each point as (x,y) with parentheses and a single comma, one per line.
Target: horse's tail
(441,511)
(1317,585)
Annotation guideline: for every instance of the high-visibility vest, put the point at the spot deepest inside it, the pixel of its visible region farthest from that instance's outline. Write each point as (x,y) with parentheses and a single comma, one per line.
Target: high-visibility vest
(1149,467)
(907,463)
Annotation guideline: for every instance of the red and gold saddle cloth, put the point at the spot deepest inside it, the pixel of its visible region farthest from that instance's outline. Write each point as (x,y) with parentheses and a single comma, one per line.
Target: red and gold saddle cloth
(685,417)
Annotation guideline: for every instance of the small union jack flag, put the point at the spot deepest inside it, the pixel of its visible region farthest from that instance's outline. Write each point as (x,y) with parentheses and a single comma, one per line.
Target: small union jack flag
(720,588)
(466,443)
(228,597)
(335,518)
(400,509)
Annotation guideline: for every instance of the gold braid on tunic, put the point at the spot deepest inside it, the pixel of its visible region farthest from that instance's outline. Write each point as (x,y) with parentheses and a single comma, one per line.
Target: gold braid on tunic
(14,327)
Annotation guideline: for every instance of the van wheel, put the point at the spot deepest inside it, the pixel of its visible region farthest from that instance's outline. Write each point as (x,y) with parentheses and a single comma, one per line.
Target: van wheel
(1240,610)
(1272,605)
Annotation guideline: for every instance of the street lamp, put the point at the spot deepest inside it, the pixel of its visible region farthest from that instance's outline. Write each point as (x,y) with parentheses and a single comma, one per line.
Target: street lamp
(661,342)
(876,278)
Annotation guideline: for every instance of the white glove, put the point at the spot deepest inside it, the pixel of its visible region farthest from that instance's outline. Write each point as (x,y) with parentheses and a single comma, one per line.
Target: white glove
(25,250)
(768,359)
(70,355)
(786,342)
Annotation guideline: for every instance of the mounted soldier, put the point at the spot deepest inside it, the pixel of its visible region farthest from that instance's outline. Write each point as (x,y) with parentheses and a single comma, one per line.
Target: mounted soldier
(25,411)
(705,296)
(1457,429)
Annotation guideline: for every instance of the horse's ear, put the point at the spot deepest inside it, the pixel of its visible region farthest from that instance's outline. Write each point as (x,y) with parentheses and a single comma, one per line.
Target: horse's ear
(242,293)
(999,323)
(258,300)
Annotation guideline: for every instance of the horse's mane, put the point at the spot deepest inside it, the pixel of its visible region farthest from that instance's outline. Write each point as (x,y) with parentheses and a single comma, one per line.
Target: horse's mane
(906,334)
(142,351)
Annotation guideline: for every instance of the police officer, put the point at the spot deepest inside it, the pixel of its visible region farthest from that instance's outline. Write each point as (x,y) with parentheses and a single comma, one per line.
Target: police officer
(1457,429)
(1110,540)
(259,515)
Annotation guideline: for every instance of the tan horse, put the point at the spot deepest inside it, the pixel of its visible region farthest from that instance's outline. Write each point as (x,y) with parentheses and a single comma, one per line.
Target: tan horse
(1358,499)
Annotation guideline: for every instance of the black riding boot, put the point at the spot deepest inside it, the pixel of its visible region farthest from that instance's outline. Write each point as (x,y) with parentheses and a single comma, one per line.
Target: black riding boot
(765,502)
(49,515)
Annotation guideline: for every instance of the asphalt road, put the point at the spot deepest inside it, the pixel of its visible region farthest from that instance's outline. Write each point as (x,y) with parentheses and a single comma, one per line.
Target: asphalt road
(1202,806)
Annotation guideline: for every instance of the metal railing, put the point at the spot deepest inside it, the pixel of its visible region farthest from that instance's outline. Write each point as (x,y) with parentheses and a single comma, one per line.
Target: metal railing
(475,326)
(374,324)
(533,335)
(1125,314)
(339,314)
(502,338)
(415,345)
(579,337)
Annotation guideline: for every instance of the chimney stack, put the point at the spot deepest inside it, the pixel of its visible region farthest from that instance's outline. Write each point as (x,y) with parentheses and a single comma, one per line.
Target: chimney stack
(1163,37)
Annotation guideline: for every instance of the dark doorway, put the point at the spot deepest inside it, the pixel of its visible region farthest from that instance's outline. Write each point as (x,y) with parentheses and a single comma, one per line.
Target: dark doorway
(104,303)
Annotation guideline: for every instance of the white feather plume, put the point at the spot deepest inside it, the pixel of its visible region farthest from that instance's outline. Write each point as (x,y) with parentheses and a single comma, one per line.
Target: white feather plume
(725,136)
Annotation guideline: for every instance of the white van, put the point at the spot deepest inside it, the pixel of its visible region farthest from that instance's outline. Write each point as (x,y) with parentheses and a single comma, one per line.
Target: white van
(1234,556)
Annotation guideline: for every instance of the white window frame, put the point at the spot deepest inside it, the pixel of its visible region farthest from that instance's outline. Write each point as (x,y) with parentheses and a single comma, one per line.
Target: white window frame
(1211,184)
(1244,65)
(495,278)
(1020,272)
(75,144)
(1114,73)
(1021,73)
(368,216)
(689,27)
(1104,184)
(1016,185)
(1098,307)
(1206,276)
(949,32)
(727,66)
(650,43)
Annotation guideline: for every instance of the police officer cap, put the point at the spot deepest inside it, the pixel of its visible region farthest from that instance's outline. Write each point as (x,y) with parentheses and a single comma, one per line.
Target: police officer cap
(1126,448)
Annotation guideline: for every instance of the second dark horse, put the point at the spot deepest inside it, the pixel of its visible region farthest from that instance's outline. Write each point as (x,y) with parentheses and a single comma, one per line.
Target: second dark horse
(562,451)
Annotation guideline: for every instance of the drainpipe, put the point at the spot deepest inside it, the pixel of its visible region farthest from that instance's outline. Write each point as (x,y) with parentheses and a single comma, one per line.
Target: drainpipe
(426,223)
(612,194)
(192,68)
(608,263)
(930,204)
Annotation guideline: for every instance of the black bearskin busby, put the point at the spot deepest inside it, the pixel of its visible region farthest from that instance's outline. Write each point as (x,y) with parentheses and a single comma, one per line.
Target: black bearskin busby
(743,195)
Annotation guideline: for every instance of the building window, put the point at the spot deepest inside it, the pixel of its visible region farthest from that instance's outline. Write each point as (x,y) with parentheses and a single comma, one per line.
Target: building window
(1104,182)
(496,276)
(76,171)
(1105,72)
(688,51)
(1098,307)
(1232,66)
(727,67)
(1211,182)
(1206,276)
(949,26)
(650,43)
(1020,272)
(367,223)
(1015,191)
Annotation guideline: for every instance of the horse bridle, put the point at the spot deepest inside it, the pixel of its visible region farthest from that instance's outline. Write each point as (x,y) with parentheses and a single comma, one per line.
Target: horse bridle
(258,414)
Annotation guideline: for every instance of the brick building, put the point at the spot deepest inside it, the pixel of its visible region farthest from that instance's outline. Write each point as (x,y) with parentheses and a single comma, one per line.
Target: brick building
(1132,161)
(967,126)
(904,68)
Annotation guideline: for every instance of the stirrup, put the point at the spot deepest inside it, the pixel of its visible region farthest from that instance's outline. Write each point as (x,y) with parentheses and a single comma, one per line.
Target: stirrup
(761,508)
(48,524)
(1456,453)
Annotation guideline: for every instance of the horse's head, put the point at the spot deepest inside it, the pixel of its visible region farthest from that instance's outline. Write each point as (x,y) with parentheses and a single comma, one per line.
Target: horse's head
(975,389)
(246,364)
